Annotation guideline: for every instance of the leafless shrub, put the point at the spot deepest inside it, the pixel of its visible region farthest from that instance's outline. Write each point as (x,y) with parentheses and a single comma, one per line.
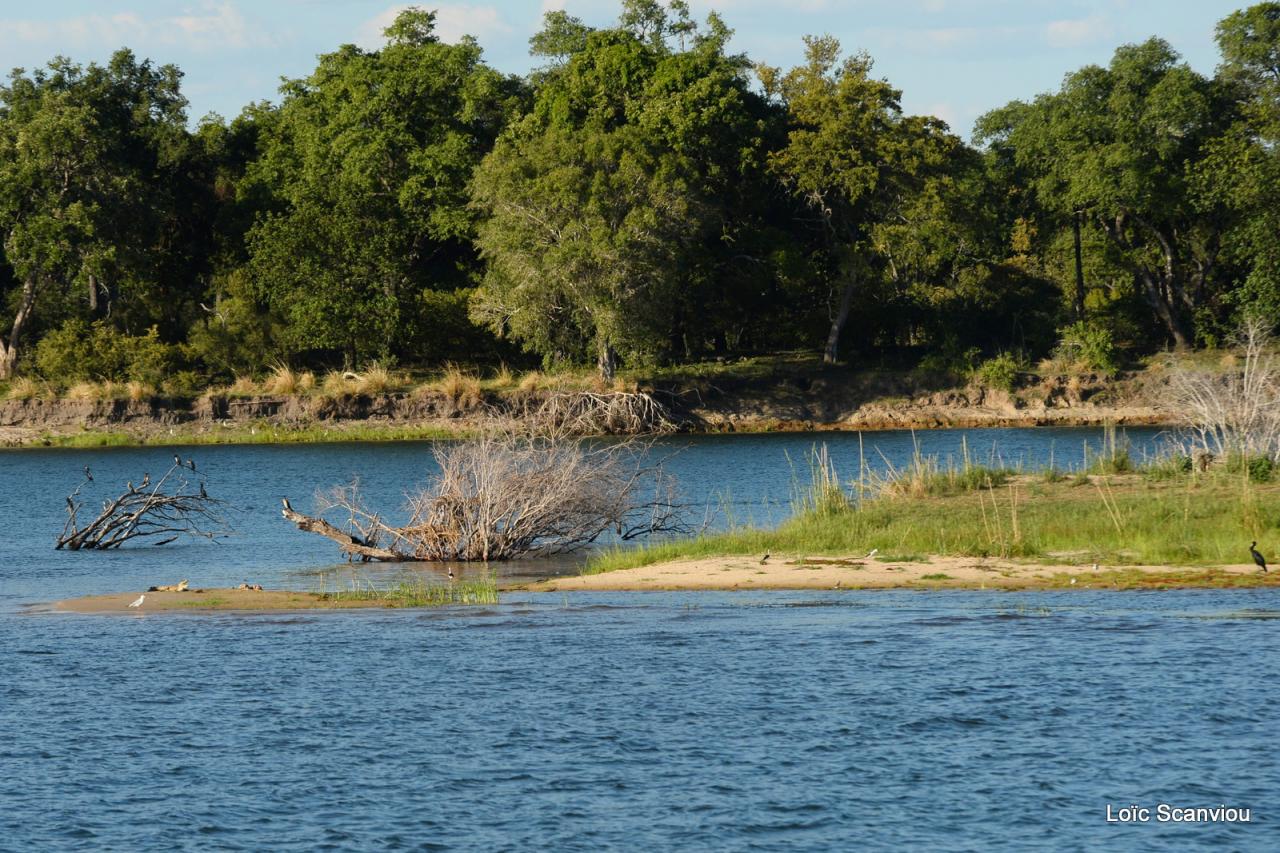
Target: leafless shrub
(588,413)
(511,493)
(1237,411)
(170,507)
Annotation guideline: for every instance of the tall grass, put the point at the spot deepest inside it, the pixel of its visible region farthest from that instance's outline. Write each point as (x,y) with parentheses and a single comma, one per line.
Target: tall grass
(1184,518)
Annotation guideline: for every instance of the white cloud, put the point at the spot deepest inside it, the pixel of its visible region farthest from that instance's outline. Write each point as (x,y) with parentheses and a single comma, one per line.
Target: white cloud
(1078,31)
(211,25)
(552,6)
(453,21)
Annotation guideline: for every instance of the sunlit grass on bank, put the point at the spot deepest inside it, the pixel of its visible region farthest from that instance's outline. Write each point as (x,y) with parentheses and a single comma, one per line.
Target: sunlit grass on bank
(248,434)
(1160,514)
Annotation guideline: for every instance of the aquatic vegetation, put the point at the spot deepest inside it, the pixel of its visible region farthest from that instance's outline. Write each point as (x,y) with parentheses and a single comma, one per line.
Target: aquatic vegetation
(417,591)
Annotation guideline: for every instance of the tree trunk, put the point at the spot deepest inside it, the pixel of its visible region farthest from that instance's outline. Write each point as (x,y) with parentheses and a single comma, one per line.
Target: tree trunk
(832,350)
(1166,312)
(9,351)
(1075,228)
(607,362)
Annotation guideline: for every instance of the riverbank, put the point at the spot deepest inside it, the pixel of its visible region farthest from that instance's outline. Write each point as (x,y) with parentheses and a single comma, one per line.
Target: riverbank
(793,394)
(928,573)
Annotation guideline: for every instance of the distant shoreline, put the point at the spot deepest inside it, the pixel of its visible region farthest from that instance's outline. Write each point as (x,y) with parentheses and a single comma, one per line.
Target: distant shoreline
(782,397)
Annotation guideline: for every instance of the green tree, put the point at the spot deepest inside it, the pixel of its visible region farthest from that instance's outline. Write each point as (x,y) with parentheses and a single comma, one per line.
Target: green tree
(609,204)
(851,157)
(1120,144)
(87,158)
(368,161)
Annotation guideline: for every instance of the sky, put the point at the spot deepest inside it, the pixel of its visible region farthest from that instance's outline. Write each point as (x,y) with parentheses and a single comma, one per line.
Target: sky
(955,59)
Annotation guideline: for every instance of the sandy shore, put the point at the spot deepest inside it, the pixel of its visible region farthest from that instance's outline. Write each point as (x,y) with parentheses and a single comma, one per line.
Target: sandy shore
(746,573)
(196,600)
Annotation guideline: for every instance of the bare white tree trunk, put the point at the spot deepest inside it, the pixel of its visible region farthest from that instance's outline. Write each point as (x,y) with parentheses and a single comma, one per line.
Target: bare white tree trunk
(9,349)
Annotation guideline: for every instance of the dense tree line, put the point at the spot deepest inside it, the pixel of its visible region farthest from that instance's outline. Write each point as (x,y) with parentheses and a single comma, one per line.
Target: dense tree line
(644,196)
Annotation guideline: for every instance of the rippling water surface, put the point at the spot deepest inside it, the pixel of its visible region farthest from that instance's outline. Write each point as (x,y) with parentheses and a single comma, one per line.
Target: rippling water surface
(823,721)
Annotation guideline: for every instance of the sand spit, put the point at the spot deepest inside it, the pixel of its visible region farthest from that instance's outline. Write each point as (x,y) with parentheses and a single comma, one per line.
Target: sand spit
(789,572)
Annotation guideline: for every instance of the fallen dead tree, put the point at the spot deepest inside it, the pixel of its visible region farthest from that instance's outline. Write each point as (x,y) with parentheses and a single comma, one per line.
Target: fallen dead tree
(591,413)
(509,494)
(175,505)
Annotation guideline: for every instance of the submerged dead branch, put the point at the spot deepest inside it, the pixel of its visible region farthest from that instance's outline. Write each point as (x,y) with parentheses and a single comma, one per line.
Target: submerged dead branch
(175,505)
(510,494)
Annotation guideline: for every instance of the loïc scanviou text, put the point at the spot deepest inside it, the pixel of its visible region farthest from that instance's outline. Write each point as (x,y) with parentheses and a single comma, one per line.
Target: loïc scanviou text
(1166,813)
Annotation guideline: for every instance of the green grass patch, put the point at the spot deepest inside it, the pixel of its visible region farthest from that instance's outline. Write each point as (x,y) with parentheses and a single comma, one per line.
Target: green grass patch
(414,591)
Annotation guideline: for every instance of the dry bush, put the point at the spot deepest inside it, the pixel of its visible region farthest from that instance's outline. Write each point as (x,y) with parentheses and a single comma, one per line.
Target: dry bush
(512,494)
(306,382)
(24,388)
(1236,411)
(84,391)
(339,384)
(377,379)
(137,392)
(461,388)
(284,381)
(531,381)
(243,386)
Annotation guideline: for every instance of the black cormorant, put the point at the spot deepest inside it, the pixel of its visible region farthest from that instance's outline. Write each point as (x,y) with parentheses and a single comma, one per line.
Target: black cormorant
(1258,559)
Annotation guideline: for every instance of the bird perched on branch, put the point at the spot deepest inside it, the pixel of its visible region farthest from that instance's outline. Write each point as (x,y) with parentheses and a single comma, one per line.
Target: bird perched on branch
(146,480)
(191,463)
(1259,560)
(88,475)
(203,493)
(177,460)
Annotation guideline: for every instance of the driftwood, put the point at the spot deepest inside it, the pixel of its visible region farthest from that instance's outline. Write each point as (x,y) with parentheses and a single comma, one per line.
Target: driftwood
(172,506)
(508,494)
(589,413)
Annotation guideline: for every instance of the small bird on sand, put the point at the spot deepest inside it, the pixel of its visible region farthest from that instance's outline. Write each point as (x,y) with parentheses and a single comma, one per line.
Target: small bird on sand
(1259,560)
(1073,581)
(765,559)
(1095,567)
(871,553)
(88,475)
(138,603)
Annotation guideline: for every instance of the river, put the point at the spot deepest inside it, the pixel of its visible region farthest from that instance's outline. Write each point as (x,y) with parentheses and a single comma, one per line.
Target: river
(716,721)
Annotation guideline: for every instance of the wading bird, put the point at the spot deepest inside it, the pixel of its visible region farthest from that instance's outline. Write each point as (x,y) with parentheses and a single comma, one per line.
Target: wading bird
(765,559)
(138,603)
(451,574)
(1259,560)
(872,553)
(88,475)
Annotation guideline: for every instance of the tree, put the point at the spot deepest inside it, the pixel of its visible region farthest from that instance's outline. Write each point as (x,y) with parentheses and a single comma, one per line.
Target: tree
(84,169)
(850,157)
(369,160)
(1120,144)
(609,201)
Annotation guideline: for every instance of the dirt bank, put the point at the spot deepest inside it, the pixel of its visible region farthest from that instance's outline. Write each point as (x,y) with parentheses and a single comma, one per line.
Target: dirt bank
(784,399)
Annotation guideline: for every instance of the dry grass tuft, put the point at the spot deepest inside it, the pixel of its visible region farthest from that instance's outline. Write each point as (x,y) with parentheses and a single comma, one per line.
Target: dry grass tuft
(376,379)
(532,381)
(243,386)
(83,391)
(24,388)
(284,380)
(138,391)
(339,384)
(461,388)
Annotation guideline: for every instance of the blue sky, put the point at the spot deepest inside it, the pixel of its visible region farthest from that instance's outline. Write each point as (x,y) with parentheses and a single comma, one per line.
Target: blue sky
(952,58)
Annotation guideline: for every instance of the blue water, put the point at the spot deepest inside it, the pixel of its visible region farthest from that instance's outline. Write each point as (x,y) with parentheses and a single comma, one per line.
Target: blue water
(638,721)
